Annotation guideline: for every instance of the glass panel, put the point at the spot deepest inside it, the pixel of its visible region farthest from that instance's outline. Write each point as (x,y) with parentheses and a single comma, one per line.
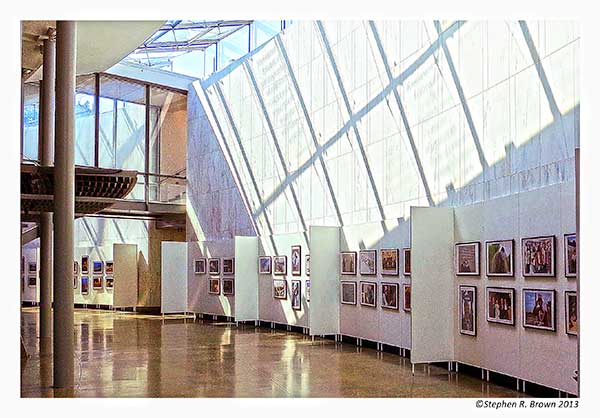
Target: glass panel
(84,120)
(31,120)
(138,191)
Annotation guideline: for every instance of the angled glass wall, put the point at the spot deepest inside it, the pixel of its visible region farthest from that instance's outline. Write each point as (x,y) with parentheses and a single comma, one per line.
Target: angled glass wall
(31,121)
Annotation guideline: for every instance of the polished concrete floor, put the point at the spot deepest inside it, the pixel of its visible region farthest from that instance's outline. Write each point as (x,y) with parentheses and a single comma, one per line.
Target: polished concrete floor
(122,354)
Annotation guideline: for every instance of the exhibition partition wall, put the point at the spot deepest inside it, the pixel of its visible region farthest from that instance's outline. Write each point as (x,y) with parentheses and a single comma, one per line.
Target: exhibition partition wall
(174,272)
(30,289)
(246,282)
(125,258)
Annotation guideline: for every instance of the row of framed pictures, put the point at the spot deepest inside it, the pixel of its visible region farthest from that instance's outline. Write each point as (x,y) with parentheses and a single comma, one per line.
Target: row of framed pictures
(214,265)
(538,256)
(538,308)
(214,286)
(280,291)
(98,283)
(390,295)
(367,262)
(98,267)
(277,265)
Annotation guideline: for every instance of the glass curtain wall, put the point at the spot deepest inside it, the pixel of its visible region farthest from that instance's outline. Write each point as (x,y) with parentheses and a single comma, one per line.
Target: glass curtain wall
(31,120)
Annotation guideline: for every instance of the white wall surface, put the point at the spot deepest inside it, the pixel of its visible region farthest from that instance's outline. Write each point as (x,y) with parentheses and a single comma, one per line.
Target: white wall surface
(31,294)
(125,291)
(173,289)
(246,283)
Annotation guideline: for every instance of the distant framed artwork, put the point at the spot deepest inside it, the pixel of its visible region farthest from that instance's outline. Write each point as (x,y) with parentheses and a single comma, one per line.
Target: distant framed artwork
(98,267)
(264,264)
(367,262)
(296,260)
(390,296)
(110,282)
(307,264)
(214,286)
(368,294)
(407,263)
(85,264)
(390,265)
(466,258)
(228,287)
(31,281)
(571,255)
(307,284)
(97,282)
(538,256)
(279,289)
(467,310)
(22,264)
(22,282)
(32,267)
(85,285)
(499,258)
(280,265)
(228,265)
(75,267)
(75,281)
(571,322)
(109,267)
(296,295)
(348,293)
(500,306)
(406,292)
(539,309)
(200,266)
(348,263)
(214,266)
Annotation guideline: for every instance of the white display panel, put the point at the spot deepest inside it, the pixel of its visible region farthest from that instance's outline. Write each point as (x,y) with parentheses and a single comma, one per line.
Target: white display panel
(173,280)
(433,289)
(125,289)
(246,278)
(324,311)
(29,293)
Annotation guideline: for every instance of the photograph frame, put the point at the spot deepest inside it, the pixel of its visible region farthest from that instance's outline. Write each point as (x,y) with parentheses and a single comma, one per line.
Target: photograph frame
(109,282)
(406,266)
(280,259)
(363,286)
(568,270)
(571,294)
(109,267)
(214,266)
(85,264)
(97,279)
(97,267)
(200,265)
(406,290)
(384,302)
(226,290)
(395,255)
(214,286)
(488,261)
(509,290)
(307,264)
(473,308)
(296,260)
(307,292)
(552,265)
(85,285)
(296,299)
(282,284)
(265,258)
(227,268)
(525,323)
(75,281)
(351,271)
(369,255)
(75,268)
(32,267)
(31,281)
(344,284)
(457,258)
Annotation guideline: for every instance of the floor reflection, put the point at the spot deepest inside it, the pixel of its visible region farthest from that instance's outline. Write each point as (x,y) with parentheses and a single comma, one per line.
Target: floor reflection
(123,354)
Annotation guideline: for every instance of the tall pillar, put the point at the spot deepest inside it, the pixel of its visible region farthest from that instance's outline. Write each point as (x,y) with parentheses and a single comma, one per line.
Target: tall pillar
(64,204)
(46,150)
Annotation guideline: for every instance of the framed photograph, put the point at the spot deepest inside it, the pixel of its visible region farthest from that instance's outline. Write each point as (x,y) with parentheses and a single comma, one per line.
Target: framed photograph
(467,310)
(368,294)
(348,293)
(500,307)
(348,263)
(499,259)
(279,289)
(390,296)
(466,258)
(296,260)
(98,267)
(85,284)
(406,293)
(228,287)
(75,281)
(22,264)
(22,282)
(75,267)
(85,264)
(214,266)
(571,255)
(390,262)
(406,257)
(264,264)
(200,266)
(307,264)
(367,261)
(296,295)
(32,267)
(538,309)
(280,265)
(31,281)
(228,265)
(109,267)
(214,286)
(538,256)
(109,282)
(571,323)
(307,284)
(97,282)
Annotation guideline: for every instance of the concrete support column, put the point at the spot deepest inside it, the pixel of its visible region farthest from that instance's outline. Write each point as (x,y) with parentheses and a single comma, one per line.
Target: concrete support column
(46,150)
(64,204)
